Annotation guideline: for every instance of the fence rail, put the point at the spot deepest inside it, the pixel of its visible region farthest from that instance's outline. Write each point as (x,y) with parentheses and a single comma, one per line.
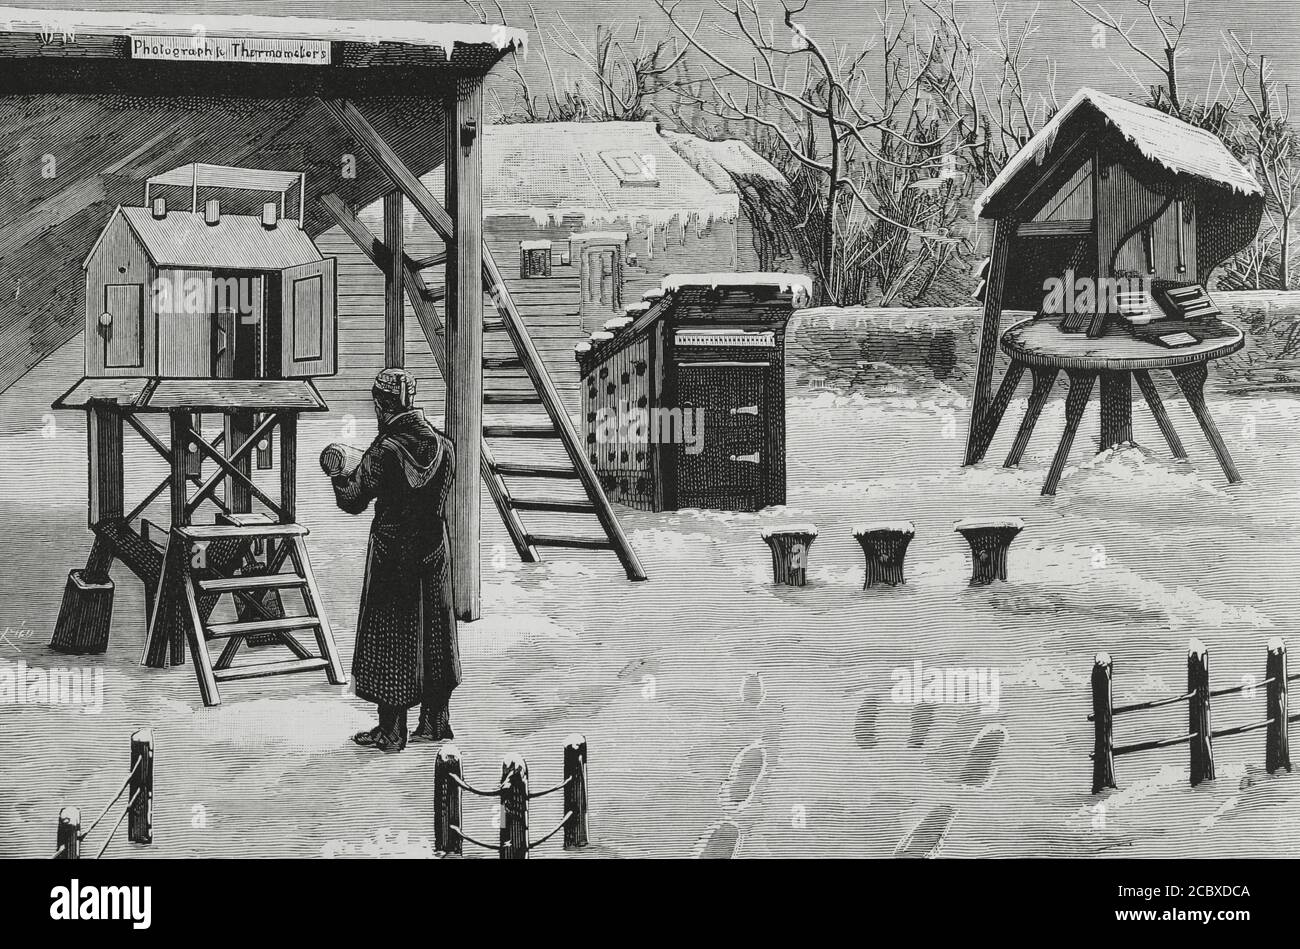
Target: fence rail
(513,796)
(1200,734)
(138,813)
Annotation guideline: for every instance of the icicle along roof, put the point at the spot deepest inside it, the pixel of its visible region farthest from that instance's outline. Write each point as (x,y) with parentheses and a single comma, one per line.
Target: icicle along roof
(1169,142)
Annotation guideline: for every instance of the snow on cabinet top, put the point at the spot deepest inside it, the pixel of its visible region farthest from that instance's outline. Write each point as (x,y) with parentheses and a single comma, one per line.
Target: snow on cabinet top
(130,23)
(786,282)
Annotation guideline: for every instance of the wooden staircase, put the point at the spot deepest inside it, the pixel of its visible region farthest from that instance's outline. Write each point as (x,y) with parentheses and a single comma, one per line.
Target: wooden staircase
(530,440)
(252,563)
(524,414)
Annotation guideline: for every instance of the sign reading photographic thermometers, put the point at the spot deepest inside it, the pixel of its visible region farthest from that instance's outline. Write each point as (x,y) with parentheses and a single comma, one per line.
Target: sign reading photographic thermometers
(201,48)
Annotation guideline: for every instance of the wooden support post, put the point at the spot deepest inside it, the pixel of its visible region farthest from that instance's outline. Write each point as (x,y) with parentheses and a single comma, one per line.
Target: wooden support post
(464,283)
(394,281)
(86,612)
(990,540)
(1277,750)
(1152,396)
(1116,409)
(181,432)
(139,822)
(1191,379)
(884,545)
(1103,723)
(1044,379)
(68,845)
(1003,230)
(1201,757)
(104,444)
(575,792)
(288,467)
(238,426)
(1075,402)
(790,545)
(446,801)
(514,808)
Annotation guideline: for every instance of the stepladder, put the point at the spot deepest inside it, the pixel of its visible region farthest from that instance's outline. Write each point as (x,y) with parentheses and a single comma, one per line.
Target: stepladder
(248,584)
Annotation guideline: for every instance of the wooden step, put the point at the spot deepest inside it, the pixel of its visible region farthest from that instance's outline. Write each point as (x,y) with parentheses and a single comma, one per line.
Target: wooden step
(252,627)
(566,507)
(506,397)
(516,470)
(231,532)
(258,670)
(566,540)
(260,581)
(499,430)
(502,362)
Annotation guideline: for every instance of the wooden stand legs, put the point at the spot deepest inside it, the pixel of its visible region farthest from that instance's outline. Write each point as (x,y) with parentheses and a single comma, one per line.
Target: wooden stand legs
(1080,389)
(1191,379)
(1044,379)
(1116,409)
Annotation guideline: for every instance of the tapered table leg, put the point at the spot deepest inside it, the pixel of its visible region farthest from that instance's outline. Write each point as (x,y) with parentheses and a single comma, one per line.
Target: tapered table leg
(988,425)
(1191,379)
(1044,379)
(1080,389)
(1148,388)
(1116,409)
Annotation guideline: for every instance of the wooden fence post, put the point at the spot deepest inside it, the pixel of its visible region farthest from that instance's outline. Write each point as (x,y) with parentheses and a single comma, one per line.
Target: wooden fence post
(1103,749)
(514,808)
(575,792)
(446,801)
(1201,758)
(139,823)
(69,841)
(1277,749)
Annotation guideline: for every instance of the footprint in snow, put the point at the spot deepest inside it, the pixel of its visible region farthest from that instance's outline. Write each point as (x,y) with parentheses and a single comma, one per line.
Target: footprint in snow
(922,722)
(864,726)
(721,843)
(926,839)
(747,770)
(981,760)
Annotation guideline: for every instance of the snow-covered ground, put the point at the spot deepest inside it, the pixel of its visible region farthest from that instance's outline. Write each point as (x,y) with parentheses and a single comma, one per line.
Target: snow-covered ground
(724,715)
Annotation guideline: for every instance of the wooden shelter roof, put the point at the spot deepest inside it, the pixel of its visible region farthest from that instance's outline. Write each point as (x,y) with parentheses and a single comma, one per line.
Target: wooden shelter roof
(88,118)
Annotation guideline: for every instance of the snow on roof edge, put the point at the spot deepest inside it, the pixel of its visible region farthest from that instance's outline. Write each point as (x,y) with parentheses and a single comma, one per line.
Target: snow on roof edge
(128,22)
(1037,147)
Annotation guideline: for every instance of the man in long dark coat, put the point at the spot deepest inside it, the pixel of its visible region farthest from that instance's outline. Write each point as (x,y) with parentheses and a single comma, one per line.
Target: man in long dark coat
(406,649)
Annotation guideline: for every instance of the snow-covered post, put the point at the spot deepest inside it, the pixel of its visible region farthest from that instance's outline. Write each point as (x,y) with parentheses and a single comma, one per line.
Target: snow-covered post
(575,792)
(884,544)
(1103,721)
(69,839)
(989,539)
(446,800)
(1277,750)
(139,823)
(514,808)
(790,552)
(1201,757)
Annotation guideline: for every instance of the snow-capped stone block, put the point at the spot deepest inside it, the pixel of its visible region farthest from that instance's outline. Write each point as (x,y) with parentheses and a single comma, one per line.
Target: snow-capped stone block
(884,544)
(989,538)
(654,293)
(617,323)
(601,336)
(789,544)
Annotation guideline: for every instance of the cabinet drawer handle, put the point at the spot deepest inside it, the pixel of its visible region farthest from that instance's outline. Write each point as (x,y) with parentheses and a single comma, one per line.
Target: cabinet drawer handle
(744,410)
(106,319)
(751,459)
